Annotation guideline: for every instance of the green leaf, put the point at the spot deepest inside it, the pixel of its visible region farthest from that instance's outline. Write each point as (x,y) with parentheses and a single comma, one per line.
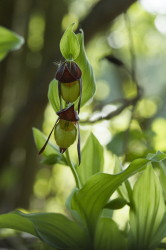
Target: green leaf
(90,200)
(162,176)
(92,159)
(159,156)
(148,212)
(9,41)
(17,222)
(69,44)
(116,203)
(108,236)
(53,159)
(74,214)
(124,190)
(160,233)
(58,231)
(54,229)
(51,152)
(88,80)
(53,95)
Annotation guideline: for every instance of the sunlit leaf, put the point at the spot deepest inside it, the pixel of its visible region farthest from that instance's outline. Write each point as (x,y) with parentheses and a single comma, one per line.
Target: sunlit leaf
(162,176)
(69,44)
(159,156)
(160,234)
(92,159)
(53,95)
(9,41)
(108,236)
(148,212)
(90,200)
(124,190)
(51,152)
(88,80)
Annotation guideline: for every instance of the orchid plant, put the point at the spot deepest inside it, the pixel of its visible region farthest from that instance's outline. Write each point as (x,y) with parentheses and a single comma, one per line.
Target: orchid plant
(90,205)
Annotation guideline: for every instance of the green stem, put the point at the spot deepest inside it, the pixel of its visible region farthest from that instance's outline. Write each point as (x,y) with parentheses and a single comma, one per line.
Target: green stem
(78,184)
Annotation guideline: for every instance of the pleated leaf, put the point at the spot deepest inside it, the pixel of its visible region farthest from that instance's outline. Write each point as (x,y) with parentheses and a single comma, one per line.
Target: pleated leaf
(148,212)
(16,221)
(108,236)
(92,159)
(90,200)
(55,230)
(157,157)
(124,190)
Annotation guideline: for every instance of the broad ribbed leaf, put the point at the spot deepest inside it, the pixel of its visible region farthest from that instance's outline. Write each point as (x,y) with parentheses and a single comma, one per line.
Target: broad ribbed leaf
(51,153)
(16,221)
(9,41)
(69,44)
(74,214)
(90,200)
(125,189)
(58,231)
(92,159)
(88,80)
(157,157)
(55,230)
(148,212)
(160,234)
(108,236)
(162,176)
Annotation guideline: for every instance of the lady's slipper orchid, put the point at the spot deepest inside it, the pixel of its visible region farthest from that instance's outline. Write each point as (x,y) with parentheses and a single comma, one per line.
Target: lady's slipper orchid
(65,130)
(69,82)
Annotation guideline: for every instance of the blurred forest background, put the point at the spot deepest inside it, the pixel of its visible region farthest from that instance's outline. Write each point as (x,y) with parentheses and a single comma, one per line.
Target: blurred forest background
(25,76)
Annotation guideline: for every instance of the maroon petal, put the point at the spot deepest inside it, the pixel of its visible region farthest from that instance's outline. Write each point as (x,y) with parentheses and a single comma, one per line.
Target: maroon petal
(68,114)
(68,72)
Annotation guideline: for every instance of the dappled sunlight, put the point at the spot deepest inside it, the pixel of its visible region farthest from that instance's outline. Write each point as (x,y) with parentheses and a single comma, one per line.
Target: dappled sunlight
(159,127)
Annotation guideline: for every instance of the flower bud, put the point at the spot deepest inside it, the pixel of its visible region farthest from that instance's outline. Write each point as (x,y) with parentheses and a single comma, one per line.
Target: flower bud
(65,134)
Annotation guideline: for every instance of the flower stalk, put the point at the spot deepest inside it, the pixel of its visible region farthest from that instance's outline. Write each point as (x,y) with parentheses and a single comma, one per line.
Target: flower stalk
(74,172)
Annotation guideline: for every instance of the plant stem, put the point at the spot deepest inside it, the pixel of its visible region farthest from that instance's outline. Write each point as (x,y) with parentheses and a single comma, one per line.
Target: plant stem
(78,184)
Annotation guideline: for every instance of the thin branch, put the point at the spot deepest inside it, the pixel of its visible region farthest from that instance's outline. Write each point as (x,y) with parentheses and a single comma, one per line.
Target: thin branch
(132,53)
(132,72)
(108,10)
(112,114)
